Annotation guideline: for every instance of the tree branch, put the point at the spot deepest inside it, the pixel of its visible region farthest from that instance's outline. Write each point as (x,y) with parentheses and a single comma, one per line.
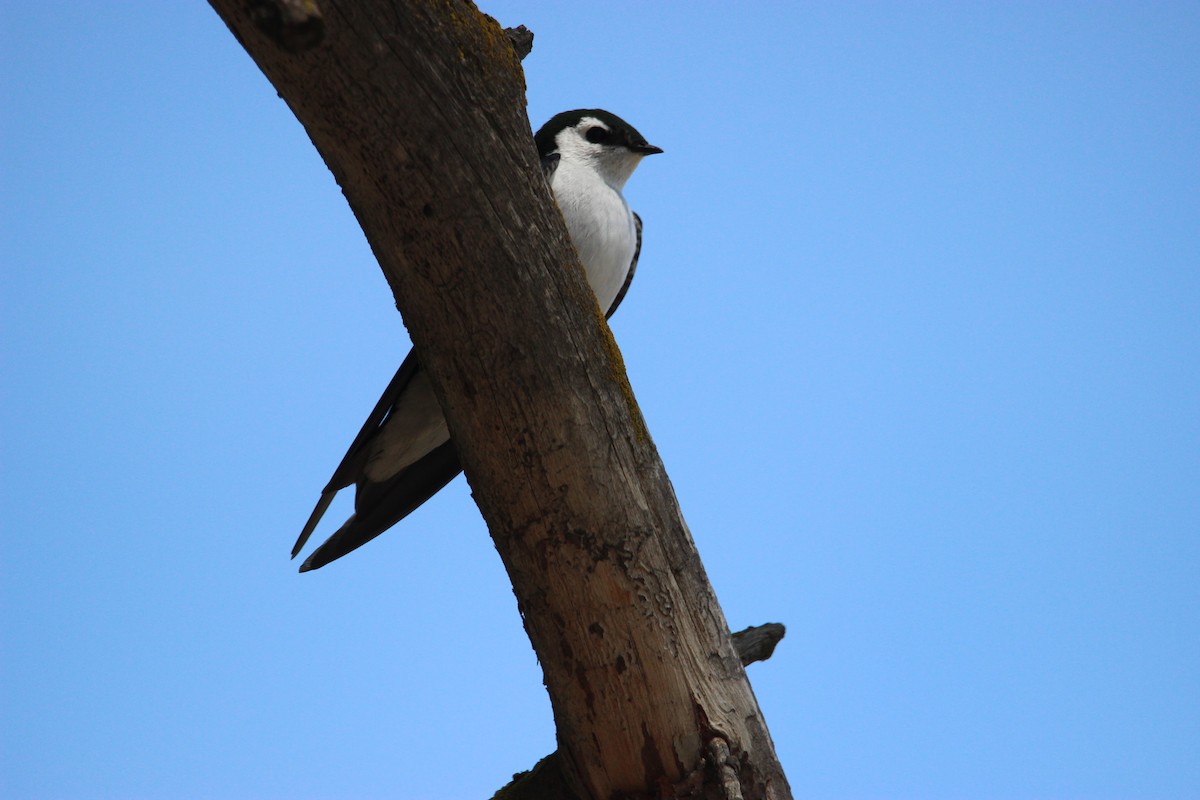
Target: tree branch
(757,643)
(546,782)
(418,110)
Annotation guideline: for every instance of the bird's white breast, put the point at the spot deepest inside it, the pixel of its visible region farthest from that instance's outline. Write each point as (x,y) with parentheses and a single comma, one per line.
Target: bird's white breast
(601,228)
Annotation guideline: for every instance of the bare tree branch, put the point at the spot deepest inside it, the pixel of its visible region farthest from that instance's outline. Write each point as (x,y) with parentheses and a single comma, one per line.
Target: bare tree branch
(418,109)
(758,643)
(546,782)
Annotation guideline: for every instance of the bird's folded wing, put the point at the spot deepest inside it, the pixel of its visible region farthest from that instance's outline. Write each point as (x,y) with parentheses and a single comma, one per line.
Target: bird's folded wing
(351,466)
(379,506)
(549,164)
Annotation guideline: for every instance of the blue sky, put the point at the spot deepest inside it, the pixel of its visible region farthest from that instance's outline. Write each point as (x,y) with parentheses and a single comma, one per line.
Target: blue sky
(916,330)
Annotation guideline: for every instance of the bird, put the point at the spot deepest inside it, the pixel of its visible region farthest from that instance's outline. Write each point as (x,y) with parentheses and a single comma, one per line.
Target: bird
(403,455)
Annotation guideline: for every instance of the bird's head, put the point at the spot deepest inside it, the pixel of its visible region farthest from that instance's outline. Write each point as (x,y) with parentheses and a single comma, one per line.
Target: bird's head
(594,137)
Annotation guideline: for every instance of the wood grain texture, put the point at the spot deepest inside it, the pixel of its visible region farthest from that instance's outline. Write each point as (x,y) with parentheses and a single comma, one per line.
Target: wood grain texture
(418,110)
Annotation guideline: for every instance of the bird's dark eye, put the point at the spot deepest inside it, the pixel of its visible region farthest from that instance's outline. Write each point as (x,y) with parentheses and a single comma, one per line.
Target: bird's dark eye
(597,135)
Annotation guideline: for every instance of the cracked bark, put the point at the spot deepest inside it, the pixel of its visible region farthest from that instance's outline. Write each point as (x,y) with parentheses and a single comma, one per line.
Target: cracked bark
(418,110)
(710,780)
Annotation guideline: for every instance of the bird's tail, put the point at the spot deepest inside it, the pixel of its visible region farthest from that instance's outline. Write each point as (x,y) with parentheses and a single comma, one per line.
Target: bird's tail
(313,519)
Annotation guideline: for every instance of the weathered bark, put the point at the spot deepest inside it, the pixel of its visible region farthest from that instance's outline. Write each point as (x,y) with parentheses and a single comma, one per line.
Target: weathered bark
(418,110)
(546,781)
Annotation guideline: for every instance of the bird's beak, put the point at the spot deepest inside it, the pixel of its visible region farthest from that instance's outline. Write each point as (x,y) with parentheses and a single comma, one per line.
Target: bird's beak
(645,149)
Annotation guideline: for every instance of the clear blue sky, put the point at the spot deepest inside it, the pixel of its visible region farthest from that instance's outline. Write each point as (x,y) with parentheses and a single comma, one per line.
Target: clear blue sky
(916,330)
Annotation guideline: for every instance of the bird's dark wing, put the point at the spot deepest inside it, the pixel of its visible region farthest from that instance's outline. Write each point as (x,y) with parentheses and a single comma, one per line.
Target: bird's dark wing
(351,467)
(379,506)
(549,164)
(637,251)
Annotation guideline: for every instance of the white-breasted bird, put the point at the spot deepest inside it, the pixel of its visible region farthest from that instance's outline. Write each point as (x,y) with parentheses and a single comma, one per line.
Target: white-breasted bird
(403,454)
